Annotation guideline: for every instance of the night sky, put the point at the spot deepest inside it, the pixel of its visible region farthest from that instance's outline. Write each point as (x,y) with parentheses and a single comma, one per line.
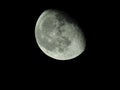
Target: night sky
(92,17)
(22,60)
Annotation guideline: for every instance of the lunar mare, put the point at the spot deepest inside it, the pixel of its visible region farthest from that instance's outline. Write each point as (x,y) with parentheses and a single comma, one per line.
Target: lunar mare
(58,37)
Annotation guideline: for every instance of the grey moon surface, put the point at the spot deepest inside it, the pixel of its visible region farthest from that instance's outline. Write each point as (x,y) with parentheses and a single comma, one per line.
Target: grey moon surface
(58,36)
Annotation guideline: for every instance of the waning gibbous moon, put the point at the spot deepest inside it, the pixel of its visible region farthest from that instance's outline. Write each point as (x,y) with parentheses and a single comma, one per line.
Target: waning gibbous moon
(59,36)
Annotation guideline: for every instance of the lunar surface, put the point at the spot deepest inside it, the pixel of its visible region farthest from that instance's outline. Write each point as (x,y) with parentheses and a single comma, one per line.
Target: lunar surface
(59,36)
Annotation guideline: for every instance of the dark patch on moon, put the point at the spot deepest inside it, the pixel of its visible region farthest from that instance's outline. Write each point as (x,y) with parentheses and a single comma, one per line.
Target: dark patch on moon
(63,43)
(60,19)
(48,25)
(64,17)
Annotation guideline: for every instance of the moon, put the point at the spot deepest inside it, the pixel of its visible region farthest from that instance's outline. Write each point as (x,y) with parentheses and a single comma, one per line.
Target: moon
(58,35)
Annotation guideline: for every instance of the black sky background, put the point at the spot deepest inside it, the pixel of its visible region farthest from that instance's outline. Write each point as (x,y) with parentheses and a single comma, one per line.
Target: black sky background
(22,60)
(93,18)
